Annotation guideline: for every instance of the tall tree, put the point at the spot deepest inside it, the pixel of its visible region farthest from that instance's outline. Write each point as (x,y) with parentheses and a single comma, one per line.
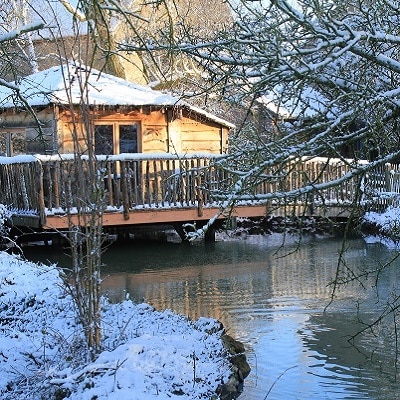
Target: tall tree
(14,16)
(324,74)
(167,21)
(327,74)
(86,237)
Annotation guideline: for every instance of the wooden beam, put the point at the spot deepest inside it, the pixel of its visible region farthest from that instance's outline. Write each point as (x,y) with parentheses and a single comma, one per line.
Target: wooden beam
(180,215)
(155,216)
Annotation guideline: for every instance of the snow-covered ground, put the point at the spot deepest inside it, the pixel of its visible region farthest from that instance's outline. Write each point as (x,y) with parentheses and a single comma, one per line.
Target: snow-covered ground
(147,354)
(386,227)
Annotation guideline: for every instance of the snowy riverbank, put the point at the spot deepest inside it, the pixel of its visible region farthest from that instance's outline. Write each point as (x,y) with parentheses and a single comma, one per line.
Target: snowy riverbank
(383,227)
(148,354)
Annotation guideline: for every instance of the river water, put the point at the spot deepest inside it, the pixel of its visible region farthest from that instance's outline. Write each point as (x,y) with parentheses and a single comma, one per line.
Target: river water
(272,296)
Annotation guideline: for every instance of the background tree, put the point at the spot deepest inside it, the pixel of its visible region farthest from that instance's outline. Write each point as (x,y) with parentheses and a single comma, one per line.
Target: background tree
(311,78)
(13,16)
(68,24)
(166,68)
(326,74)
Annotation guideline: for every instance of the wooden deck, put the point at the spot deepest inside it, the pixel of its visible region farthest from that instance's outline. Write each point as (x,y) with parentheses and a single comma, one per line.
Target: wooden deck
(45,192)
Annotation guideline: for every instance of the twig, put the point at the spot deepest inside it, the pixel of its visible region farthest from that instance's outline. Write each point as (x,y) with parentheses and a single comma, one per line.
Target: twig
(277,379)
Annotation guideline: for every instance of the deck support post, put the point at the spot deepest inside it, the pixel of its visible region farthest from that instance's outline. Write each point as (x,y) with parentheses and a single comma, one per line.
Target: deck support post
(209,236)
(180,231)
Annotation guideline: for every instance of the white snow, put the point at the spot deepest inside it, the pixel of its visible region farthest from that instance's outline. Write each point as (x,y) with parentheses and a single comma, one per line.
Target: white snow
(62,85)
(309,103)
(119,157)
(147,354)
(20,159)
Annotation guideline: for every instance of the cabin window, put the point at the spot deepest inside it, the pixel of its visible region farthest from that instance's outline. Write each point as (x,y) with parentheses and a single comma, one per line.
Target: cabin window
(12,142)
(40,142)
(116,138)
(104,139)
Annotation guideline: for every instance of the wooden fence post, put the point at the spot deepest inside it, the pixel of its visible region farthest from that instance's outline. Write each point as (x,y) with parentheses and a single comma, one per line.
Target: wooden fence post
(125,194)
(42,210)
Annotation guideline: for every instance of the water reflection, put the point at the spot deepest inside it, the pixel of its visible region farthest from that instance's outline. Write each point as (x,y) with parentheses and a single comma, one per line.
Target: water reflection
(225,276)
(273,299)
(355,367)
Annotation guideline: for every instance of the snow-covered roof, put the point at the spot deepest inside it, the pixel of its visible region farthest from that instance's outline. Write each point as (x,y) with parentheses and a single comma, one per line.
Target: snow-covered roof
(63,85)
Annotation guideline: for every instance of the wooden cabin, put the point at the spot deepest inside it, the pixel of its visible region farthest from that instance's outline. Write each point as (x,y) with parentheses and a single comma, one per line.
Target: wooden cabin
(66,109)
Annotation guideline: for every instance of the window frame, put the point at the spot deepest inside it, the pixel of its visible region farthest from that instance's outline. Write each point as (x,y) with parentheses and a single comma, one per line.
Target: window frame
(116,133)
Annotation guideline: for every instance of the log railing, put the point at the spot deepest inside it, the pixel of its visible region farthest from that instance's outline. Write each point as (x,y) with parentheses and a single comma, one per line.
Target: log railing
(381,187)
(138,181)
(48,185)
(309,173)
(21,185)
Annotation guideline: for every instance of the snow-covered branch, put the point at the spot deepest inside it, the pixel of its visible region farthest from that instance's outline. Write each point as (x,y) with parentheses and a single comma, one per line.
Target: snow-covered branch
(15,33)
(318,78)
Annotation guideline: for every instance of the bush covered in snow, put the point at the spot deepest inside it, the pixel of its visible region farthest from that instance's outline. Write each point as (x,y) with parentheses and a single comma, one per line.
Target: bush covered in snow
(386,224)
(147,354)
(4,216)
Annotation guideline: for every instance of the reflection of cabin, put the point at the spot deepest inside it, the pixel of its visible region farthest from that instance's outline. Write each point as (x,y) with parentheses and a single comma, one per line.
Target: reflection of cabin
(115,116)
